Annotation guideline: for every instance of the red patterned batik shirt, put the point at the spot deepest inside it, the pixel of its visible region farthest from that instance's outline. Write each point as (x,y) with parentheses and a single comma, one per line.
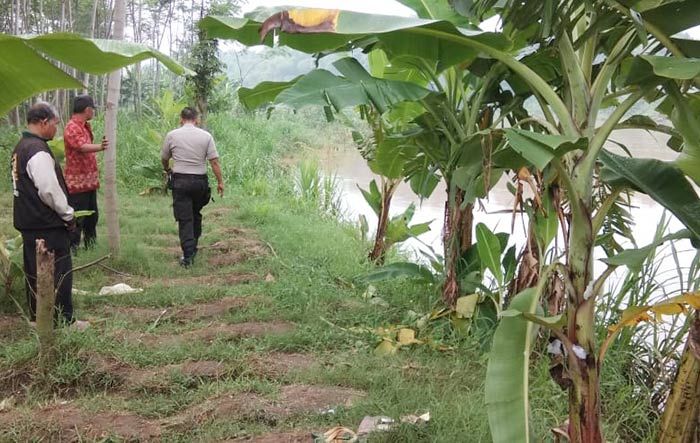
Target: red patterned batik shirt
(81,167)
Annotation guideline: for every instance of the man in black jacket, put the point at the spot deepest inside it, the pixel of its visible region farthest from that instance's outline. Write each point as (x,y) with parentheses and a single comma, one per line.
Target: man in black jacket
(41,210)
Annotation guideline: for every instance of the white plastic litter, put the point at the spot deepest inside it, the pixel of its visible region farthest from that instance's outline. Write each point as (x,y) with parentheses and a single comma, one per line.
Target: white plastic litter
(119,289)
(580,352)
(555,347)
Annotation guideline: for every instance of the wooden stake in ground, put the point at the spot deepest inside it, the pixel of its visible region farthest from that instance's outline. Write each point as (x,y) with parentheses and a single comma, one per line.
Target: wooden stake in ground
(45,301)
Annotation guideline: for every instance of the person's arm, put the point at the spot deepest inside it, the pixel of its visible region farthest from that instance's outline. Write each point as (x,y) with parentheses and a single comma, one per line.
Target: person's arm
(92,147)
(166,153)
(216,167)
(40,169)
(213,157)
(74,139)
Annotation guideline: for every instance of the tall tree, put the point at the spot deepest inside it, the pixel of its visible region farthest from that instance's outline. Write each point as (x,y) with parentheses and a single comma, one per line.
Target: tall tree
(206,64)
(110,164)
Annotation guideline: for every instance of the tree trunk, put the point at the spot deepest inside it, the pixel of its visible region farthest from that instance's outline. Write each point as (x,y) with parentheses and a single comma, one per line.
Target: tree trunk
(136,23)
(45,302)
(203,107)
(584,395)
(457,239)
(110,163)
(93,21)
(378,253)
(528,267)
(679,423)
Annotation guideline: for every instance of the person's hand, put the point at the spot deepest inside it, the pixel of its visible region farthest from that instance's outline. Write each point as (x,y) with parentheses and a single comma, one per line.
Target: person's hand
(220,189)
(105,143)
(71,224)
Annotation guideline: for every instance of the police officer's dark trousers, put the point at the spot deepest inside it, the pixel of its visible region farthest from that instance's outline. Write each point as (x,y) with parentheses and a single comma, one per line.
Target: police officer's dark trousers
(58,242)
(190,194)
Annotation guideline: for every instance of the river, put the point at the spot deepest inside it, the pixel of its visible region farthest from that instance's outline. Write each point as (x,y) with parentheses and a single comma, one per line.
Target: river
(351,170)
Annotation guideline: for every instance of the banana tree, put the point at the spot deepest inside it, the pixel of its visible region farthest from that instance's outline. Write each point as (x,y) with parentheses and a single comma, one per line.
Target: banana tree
(599,48)
(451,118)
(378,197)
(636,65)
(385,104)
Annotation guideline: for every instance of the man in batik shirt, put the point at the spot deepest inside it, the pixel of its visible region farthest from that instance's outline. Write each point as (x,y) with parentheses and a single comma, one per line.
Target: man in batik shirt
(82,176)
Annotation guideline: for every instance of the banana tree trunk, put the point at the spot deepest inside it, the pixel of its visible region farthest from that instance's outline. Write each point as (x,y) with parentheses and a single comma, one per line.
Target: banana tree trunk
(378,253)
(584,394)
(528,266)
(679,423)
(457,238)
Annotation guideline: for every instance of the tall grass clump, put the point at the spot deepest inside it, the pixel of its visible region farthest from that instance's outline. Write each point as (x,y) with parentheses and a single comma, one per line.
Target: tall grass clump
(250,145)
(317,189)
(642,362)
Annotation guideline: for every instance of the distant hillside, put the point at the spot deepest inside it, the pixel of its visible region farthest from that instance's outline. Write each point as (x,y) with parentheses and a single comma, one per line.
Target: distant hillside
(250,66)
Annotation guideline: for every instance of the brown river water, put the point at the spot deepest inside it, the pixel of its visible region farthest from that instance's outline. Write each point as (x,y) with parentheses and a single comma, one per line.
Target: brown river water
(350,170)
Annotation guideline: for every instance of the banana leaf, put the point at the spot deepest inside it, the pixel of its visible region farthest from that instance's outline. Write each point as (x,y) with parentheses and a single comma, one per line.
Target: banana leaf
(634,258)
(320,30)
(662,181)
(263,93)
(26,68)
(540,149)
(436,9)
(508,370)
(323,88)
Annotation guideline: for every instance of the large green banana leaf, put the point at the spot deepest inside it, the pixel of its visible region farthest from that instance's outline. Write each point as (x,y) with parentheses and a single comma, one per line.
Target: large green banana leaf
(681,108)
(508,372)
(673,16)
(540,149)
(263,93)
(436,40)
(660,180)
(26,69)
(323,88)
(436,9)
(23,73)
(355,87)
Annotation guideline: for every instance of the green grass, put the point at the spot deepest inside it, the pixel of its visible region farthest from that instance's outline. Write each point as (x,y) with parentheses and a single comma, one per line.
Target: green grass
(314,260)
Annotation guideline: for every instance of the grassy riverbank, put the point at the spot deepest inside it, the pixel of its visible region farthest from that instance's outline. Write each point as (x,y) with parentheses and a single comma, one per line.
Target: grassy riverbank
(265,335)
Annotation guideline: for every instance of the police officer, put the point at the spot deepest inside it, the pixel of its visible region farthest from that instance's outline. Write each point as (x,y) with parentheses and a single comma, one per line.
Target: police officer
(190,147)
(41,209)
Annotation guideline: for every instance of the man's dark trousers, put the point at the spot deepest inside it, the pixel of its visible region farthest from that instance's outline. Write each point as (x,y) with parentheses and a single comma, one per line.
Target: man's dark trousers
(58,242)
(84,201)
(190,194)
